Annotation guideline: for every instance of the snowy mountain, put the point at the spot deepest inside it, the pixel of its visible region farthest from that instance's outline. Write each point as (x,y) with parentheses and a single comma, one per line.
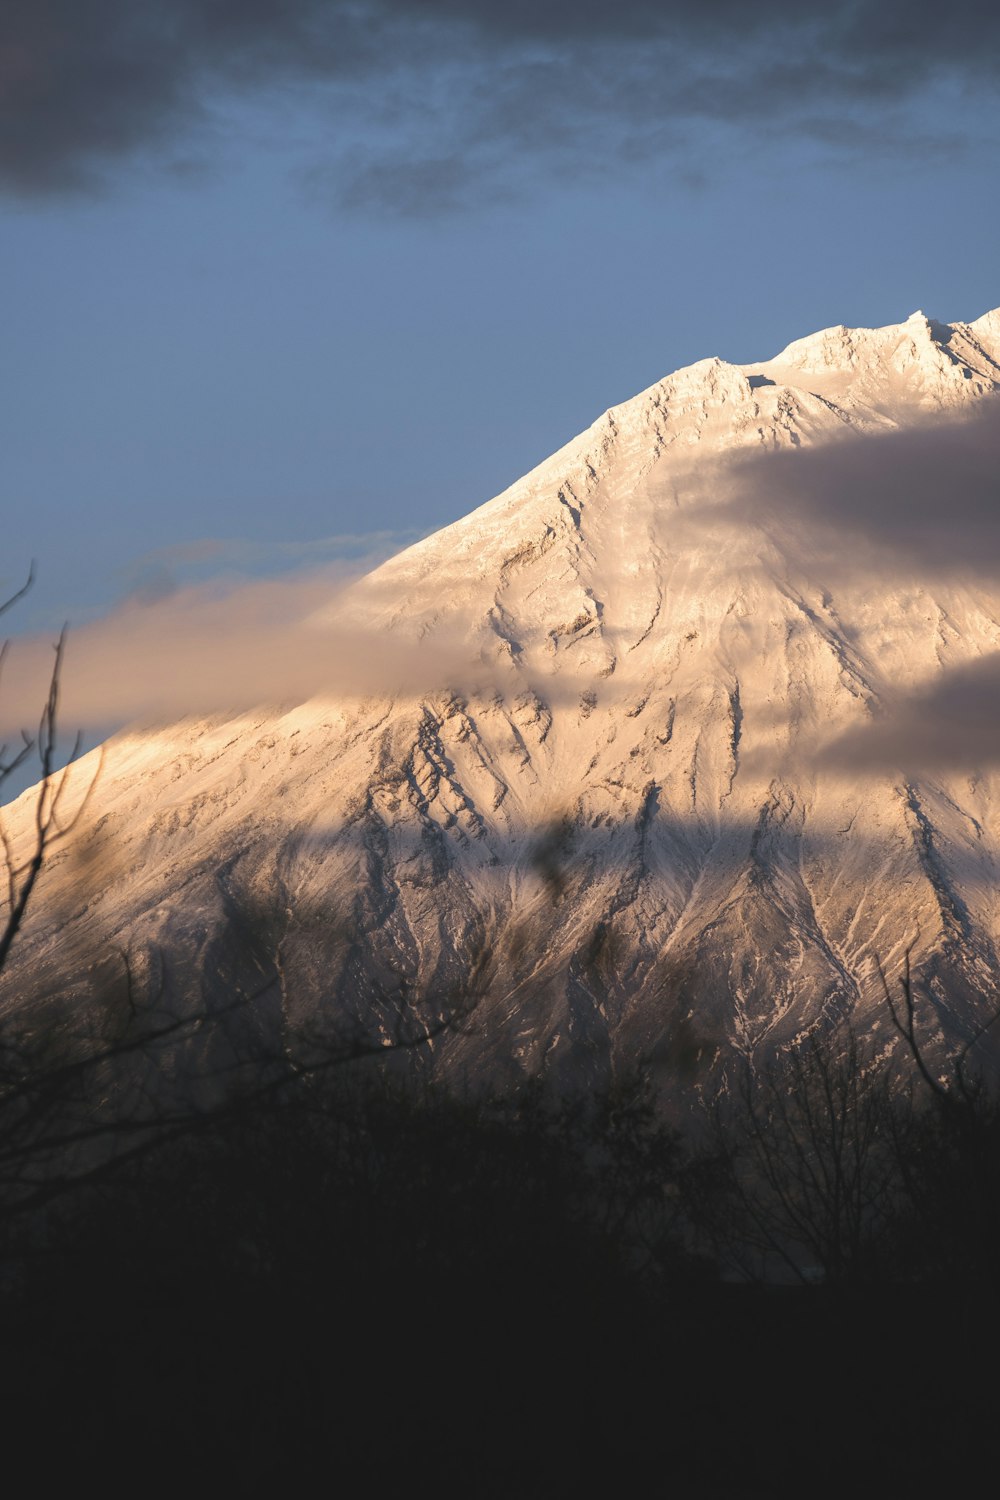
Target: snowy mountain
(608,790)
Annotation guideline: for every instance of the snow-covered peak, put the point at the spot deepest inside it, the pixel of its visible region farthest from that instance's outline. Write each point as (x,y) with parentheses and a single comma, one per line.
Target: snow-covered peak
(617,692)
(830,348)
(843,349)
(900,369)
(875,372)
(986,332)
(872,374)
(865,378)
(713,378)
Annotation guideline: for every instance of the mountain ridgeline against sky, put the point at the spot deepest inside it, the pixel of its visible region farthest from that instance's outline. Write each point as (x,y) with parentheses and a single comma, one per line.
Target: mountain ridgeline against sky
(690,734)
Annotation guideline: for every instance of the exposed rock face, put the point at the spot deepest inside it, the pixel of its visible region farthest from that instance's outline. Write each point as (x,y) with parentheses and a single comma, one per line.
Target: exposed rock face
(618,808)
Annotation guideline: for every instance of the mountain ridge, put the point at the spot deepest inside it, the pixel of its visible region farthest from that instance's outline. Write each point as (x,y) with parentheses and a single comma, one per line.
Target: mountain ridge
(610,771)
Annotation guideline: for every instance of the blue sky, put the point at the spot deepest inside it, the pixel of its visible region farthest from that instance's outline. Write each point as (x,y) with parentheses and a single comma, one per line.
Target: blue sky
(287,283)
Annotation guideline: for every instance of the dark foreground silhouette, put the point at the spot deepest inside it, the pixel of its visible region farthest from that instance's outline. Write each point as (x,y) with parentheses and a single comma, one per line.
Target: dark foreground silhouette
(357,1289)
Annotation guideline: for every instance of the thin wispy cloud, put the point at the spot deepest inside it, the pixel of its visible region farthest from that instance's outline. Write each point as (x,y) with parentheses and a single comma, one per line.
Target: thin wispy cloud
(220,625)
(165,570)
(211,649)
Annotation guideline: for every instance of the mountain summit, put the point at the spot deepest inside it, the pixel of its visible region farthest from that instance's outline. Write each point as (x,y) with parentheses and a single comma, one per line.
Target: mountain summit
(639,769)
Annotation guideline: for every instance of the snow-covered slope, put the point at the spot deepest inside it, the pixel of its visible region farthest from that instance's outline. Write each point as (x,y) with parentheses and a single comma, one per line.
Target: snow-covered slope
(607,796)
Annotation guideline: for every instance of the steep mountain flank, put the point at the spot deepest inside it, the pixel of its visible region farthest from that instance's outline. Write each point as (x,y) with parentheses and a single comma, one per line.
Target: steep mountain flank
(611,793)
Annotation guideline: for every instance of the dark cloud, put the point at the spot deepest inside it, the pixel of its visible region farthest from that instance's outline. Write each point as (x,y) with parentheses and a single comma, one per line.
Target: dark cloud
(923,499)
(425,101)
(950,724)
(402,185)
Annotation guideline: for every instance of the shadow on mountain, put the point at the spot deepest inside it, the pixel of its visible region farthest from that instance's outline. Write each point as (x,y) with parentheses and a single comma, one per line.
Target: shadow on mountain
(567,953)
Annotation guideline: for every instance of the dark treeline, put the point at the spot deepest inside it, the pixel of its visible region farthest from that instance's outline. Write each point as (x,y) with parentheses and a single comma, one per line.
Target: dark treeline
(353,1280)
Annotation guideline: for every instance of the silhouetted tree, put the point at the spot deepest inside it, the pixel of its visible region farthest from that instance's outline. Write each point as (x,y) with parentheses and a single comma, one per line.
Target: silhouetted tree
(82,1085)
(948,1157)
(801,1172)
(50,823)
